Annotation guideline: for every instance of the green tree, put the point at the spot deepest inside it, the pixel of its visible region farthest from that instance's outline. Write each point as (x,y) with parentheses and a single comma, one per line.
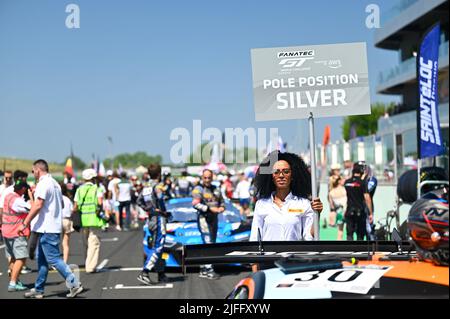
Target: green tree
(365,124)
(191,160)
(248,154)
(128,160)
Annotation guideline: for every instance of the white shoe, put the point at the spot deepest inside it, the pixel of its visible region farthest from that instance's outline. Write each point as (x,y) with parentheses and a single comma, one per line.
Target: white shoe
(74,291)
(118,228)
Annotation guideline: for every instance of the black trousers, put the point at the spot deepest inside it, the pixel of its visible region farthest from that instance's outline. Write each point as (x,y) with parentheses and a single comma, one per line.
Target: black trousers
(356,223)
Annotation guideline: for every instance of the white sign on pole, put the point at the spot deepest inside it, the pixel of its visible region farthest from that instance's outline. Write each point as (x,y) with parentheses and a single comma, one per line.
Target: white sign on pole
(325,80)
(310,82)
(378,153)
(346,152)
(361,152)
(334,154)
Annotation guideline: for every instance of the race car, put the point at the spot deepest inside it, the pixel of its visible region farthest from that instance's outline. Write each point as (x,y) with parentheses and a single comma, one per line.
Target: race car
(322,270)
(182,229)
(368,279)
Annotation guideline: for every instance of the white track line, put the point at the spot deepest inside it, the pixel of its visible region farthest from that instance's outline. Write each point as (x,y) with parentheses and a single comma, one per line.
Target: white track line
(120,286)
(121,269)
(109,239)
(2,246)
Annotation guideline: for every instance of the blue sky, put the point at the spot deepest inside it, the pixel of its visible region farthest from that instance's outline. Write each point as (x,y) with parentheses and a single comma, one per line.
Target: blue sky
(137,69)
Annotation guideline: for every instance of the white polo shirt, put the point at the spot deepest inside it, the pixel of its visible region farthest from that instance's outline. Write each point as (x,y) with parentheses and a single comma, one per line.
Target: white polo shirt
(243,189)
(68,207)
(5,191)
(293,221)
(21,206)
(49,218)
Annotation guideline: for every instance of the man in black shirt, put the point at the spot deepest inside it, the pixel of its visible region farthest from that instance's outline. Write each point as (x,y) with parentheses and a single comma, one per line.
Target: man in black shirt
(358,201)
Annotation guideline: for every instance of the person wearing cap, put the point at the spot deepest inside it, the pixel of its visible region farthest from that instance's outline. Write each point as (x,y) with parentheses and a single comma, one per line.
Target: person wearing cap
(359,203)
(18,175)
(15,212)
(87,200)
(151,199)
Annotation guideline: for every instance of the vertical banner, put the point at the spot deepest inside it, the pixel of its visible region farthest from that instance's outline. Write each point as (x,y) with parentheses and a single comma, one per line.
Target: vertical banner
(429,142)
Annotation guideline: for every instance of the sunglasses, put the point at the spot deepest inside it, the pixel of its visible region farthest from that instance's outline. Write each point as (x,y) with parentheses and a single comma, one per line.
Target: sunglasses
(285,171)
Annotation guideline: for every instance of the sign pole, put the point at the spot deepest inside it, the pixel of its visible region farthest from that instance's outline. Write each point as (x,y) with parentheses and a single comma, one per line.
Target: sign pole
(312,148)
(419,166)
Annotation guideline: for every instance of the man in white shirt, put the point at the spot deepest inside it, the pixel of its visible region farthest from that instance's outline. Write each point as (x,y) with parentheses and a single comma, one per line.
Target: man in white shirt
(123,196)
(114,203)
(243,193)
(47,207)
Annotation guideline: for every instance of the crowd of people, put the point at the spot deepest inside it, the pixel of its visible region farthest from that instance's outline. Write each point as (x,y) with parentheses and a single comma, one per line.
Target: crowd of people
(38,218)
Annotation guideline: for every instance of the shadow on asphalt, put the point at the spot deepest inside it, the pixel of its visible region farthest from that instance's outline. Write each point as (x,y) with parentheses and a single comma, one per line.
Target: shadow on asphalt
(176,279)
(53,283)
(63,293)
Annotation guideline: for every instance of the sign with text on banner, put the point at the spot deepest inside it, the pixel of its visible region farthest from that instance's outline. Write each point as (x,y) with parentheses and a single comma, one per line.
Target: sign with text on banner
(310,82)
(327,80)
(429,135)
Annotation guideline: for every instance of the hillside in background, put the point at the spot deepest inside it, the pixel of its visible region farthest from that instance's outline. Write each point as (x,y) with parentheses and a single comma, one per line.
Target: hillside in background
(25,165)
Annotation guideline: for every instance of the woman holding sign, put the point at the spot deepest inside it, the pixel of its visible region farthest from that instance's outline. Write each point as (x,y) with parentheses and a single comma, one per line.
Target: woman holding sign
(283,210)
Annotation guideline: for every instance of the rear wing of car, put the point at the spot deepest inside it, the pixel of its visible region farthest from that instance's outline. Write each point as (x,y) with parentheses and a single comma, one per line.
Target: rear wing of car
(271,251)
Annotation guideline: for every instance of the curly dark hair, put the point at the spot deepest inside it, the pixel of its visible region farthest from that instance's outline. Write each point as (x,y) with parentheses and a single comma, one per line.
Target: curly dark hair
(300,177)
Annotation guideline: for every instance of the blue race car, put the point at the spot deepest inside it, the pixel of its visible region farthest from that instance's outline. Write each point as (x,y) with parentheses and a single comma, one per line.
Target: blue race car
(182,229)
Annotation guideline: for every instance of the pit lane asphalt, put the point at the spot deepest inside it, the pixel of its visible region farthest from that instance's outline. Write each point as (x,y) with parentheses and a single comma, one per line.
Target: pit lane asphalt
(117,278)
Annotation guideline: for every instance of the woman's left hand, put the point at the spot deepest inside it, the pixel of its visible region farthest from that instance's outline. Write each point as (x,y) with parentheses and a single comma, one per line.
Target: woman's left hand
(317,205)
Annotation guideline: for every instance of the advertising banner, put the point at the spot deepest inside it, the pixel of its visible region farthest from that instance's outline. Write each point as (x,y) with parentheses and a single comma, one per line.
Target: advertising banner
(428,126)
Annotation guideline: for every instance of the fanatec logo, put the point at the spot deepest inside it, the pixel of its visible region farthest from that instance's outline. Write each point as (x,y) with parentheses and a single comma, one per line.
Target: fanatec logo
(295,59)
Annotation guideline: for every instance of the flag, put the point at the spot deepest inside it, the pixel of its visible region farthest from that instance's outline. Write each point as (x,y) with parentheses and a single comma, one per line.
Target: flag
(326,135)
(69,168)
(353,133)
(101,169)
(95,165)
(429,142)
(120,169)
(279,146)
